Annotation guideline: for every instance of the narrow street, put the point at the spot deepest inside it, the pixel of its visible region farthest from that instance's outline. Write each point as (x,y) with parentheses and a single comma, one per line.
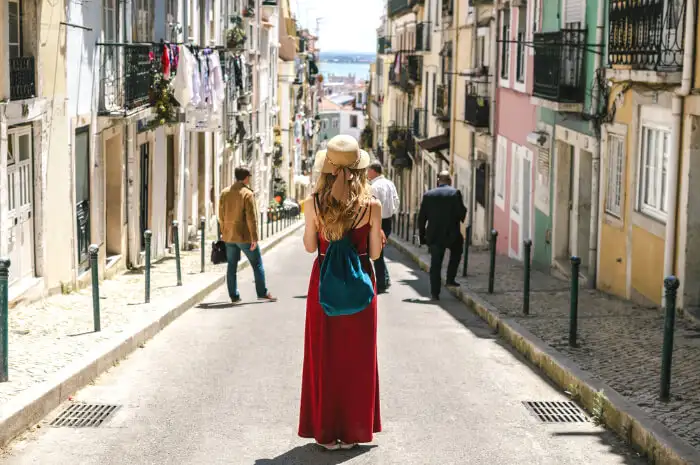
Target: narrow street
(221,385)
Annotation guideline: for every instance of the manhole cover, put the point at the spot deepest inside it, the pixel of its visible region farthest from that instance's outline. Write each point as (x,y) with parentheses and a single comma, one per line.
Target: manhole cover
(84,415)
(557,412)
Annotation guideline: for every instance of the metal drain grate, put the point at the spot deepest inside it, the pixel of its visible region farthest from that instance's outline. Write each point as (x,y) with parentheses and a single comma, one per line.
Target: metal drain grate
(84,415)
(557,412)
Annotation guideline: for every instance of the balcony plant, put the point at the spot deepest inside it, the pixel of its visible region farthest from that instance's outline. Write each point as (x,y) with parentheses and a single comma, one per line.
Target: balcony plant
(366,137)
(235,35)
(161,97)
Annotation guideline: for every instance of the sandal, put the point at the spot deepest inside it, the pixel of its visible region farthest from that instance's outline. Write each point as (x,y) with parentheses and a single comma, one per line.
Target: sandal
(330,445)
(346,446)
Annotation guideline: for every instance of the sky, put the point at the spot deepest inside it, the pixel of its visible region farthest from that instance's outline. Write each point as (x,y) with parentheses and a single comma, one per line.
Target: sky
(346,26)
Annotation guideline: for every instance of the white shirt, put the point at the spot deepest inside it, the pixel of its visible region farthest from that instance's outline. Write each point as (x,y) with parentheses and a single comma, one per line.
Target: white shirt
(385,191)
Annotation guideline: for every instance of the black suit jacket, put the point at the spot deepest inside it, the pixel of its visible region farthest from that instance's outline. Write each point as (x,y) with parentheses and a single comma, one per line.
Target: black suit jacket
(441,213)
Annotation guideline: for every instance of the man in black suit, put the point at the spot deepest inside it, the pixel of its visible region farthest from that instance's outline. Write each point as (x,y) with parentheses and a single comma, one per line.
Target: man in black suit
(443,211)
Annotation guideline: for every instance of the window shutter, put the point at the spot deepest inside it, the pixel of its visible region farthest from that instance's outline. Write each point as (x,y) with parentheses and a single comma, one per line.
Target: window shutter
(573,11)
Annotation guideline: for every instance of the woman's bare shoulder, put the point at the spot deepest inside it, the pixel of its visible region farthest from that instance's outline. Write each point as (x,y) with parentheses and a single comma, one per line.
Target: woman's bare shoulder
(374,202)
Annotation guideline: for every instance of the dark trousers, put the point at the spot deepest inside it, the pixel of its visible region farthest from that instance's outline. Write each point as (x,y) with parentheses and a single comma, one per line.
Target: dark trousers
(381,272)
(437,254)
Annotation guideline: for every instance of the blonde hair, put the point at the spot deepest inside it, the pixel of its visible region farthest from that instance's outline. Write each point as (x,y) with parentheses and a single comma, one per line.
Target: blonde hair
(335,217)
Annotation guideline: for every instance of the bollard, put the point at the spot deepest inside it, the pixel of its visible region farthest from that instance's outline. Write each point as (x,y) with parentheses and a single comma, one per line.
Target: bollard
(261,226)
(415,222)
(393,222)
(671,285)
(407,226)
(176,241)
(527,249)
(4,319)
(276,218)
(400,224)
(267,220)
(467,243)
(147,234)
(573,312)
(492,264)
(202,222)
(93,252)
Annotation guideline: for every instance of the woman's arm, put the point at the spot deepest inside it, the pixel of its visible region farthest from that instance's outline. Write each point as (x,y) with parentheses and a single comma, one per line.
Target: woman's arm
(375,232)
(310,230)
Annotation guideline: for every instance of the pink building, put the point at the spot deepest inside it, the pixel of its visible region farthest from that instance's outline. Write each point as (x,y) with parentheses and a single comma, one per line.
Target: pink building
(516,118)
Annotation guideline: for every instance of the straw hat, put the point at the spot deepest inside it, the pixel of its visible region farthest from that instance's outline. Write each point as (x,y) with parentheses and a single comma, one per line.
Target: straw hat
(342,154)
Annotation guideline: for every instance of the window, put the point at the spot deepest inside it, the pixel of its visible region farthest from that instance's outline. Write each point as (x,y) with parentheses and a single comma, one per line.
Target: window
(501,169)
(171,19)
(434,93)
(480,51)
(536,16)
(15,33)
(653,173)
(616,167)
(324,124)
(520,57)
(143,20)
(505,44)
(334,123)
(353,121)
(515,176)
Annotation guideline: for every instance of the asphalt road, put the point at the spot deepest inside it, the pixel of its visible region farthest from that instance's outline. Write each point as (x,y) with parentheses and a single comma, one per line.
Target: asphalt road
(221,385)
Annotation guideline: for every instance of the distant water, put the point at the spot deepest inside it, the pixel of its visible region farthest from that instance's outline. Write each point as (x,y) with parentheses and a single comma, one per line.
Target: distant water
(360,70)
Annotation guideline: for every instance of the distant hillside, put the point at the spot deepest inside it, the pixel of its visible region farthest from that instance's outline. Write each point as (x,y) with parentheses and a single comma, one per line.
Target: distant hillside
(348,57)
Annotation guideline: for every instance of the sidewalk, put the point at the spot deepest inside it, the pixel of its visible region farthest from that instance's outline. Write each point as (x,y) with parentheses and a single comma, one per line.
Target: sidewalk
(619,351)
(53,350)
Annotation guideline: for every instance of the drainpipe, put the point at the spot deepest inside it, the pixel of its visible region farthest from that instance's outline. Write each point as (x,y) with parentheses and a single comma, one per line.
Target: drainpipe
(595,161)
(455,58)
(676,142)
(493,71)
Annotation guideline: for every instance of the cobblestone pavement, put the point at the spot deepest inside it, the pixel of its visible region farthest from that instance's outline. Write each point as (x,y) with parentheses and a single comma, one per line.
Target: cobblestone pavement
(619,342)
(52,333)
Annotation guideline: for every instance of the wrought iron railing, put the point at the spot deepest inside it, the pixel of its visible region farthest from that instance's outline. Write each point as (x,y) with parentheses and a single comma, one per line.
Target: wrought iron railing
(442,105)
(401,146)
(423,34)
(125,76)
(415,68)
(646,34)
(476,104)
(383,45)
(22,78)
(559,65)
(420,123)
(399,6)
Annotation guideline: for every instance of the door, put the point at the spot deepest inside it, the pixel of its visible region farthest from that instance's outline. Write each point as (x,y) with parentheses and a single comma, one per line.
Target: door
(82,195)
(20,204)
(170,188)
(145,185)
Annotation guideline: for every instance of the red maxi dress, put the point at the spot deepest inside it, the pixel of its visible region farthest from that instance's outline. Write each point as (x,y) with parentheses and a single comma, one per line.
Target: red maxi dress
(340,384)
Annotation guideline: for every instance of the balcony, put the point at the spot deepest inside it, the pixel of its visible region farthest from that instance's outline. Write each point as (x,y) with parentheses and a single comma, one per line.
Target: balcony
(559,69)
(22,78)
(442,106)
(477,105)
(401,80)
(401,146)
(447,8)
(415,68)
(420,123)
(383,45)
(125,77)
(397,7)
(646,36)
(423,35)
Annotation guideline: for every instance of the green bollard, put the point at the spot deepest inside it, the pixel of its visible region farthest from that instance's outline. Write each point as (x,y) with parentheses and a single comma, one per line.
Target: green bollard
(492,263)
(4,319)
(467,243)
(407,226)
(671,285)
(527,249)
(147,234)
(573,313)
(202,223)
(267,221)
(415,222)
(94,252)
(176,241)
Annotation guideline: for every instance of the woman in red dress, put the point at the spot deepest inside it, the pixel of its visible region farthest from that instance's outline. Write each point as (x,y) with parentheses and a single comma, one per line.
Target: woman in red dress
(340,385)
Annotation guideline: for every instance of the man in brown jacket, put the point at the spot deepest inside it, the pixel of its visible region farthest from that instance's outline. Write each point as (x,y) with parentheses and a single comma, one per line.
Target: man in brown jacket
(238,219)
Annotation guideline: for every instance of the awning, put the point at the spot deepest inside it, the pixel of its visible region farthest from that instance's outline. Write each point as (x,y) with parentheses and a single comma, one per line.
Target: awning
(436,144)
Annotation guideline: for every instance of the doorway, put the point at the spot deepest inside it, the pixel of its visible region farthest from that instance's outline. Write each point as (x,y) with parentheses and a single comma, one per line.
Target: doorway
(114,167)
(170,187)
(583,201)
(20,196)
(563,208)
(145,186)
(82,195)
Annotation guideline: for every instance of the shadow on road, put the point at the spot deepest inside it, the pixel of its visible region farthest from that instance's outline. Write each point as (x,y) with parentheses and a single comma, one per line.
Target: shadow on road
(311,454)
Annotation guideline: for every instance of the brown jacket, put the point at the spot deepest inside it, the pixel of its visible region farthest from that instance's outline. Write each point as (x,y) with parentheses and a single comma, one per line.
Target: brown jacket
(238,214)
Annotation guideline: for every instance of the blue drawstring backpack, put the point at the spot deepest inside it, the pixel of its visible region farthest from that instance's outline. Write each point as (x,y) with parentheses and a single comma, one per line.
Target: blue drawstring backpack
(345,288)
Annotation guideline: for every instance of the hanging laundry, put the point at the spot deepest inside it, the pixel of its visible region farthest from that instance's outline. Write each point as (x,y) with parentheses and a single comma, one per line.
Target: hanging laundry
(216,82)
(183,82)
(165,61)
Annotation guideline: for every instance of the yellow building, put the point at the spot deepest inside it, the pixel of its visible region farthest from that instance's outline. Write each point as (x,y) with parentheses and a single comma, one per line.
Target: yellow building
(649,213)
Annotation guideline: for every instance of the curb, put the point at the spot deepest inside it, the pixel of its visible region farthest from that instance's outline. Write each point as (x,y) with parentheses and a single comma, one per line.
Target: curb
(629,421)
(30,407)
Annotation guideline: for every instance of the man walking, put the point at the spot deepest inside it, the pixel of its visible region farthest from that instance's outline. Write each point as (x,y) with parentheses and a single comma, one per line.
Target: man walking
(238,219)
(443,211)
(385,191)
